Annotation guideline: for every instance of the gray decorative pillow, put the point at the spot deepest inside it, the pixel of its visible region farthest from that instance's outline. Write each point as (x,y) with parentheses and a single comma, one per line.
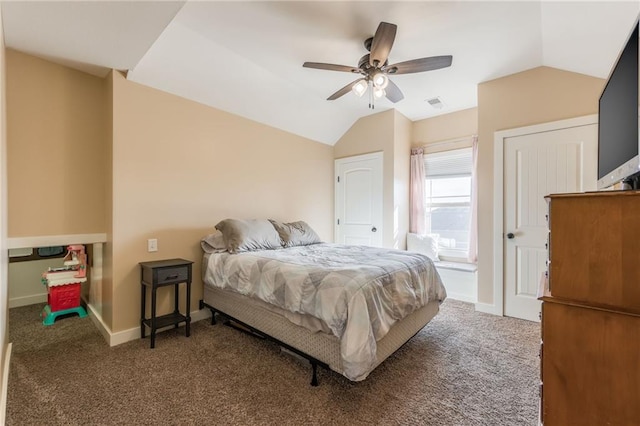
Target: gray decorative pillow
(247,235)
(295,233)
(213,243)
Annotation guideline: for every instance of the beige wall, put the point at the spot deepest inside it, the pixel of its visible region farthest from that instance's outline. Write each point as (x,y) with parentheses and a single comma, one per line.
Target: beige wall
(56,142)
(4,252)
(24,281)
(103,302)
(445,127)
(153,166)
(536,96)
(180,167)
(403,128)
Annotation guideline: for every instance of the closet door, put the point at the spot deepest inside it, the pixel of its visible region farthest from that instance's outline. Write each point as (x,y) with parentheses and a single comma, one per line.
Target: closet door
(536,165)
(358,200)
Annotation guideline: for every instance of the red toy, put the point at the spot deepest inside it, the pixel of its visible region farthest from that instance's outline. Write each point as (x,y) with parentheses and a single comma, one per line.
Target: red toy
(64,285)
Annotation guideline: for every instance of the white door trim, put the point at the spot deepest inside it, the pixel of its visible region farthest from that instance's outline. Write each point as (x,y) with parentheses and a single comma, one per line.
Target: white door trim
(498,200)
(5,383)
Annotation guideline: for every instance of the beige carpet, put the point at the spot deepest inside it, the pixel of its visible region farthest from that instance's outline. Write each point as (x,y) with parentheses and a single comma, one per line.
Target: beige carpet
(463,368)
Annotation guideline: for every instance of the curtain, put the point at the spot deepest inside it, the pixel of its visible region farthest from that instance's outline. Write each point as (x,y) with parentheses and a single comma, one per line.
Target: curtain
(473,222)
(416,197)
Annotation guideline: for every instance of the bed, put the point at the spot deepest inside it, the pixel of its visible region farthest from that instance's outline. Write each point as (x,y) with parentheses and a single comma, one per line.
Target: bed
(346,308)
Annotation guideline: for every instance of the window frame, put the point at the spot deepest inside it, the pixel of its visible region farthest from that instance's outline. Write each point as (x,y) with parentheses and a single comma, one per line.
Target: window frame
(457,255)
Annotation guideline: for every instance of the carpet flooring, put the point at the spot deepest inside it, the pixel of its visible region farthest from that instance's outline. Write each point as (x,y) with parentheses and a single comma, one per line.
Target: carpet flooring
(463,368)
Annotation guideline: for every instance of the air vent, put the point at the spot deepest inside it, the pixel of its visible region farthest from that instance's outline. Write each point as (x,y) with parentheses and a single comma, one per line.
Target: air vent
(436,102)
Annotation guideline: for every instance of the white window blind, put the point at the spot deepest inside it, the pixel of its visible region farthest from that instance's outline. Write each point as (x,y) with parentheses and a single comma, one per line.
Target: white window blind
(448,163)
(448,200)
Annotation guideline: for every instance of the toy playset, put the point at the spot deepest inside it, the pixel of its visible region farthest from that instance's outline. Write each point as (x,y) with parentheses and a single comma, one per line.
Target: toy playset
(64,285)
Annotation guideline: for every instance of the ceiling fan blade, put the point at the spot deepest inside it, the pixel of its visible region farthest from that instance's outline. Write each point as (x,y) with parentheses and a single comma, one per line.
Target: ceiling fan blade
(393,92)
(346,89)
(382,43)
(419,65)
(330,67)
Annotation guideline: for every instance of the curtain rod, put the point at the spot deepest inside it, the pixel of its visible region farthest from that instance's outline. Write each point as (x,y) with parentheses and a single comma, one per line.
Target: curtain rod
(447,142)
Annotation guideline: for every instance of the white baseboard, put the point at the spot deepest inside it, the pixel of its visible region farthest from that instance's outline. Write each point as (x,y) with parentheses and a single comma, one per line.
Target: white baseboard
(461,297)
(16,302)
(5,384)
(96,318)
(487,308)
(124,336)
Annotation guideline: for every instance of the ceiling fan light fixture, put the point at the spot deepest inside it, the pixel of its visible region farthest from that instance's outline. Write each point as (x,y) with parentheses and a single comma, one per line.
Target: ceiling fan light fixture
(359,88)
(380,80)
(374,68)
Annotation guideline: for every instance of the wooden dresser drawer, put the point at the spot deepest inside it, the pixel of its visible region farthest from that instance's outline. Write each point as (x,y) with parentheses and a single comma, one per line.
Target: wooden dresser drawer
(590,368)
(594,249)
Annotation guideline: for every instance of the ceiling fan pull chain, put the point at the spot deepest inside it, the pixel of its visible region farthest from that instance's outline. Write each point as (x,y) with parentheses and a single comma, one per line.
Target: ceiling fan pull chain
(371,99)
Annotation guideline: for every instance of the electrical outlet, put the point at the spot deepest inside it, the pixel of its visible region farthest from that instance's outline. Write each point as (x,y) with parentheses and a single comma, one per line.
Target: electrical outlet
(152,245)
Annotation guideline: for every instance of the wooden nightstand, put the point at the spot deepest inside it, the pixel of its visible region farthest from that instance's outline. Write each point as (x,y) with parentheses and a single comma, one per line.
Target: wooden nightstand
(162,273)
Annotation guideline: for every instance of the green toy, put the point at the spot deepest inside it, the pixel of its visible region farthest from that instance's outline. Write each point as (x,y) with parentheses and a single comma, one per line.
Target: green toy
(49,316)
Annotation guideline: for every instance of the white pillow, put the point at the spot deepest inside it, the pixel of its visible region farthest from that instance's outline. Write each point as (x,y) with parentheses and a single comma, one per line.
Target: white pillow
(426,244)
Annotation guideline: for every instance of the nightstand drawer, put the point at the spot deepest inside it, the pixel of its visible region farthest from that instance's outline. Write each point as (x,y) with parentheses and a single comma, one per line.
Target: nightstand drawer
(170,275)
(162,272)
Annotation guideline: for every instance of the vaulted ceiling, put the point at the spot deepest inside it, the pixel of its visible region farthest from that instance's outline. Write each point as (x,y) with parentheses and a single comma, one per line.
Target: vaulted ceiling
(246,57)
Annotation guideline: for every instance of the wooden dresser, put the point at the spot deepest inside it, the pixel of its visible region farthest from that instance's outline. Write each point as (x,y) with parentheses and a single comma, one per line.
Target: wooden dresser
(590,349)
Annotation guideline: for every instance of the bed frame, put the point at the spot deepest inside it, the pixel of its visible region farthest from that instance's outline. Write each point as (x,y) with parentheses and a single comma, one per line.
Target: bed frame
(321,349)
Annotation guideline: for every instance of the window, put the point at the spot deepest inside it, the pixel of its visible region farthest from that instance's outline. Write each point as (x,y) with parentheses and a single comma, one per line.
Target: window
(448,200)
(27,254)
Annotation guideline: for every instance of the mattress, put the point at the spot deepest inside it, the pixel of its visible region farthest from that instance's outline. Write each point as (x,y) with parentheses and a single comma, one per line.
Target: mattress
(354,293)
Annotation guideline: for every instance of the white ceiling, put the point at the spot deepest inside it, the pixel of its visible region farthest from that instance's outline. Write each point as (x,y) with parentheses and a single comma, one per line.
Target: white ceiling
(246,57)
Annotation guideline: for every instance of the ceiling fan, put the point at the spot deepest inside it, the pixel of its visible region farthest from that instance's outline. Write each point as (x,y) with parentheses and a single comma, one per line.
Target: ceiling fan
(374,67)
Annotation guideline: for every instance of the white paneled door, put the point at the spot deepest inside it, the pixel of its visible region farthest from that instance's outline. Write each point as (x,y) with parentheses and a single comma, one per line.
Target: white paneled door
(358,199)
(536,165)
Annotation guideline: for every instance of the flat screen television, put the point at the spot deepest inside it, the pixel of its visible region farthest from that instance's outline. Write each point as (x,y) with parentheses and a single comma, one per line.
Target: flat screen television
(618,120)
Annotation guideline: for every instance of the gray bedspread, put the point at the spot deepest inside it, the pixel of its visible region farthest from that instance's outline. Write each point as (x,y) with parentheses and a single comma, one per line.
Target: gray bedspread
(358,292)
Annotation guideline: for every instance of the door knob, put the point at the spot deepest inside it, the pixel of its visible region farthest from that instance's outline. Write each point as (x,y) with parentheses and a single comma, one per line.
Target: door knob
(510,235)
(374,229)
